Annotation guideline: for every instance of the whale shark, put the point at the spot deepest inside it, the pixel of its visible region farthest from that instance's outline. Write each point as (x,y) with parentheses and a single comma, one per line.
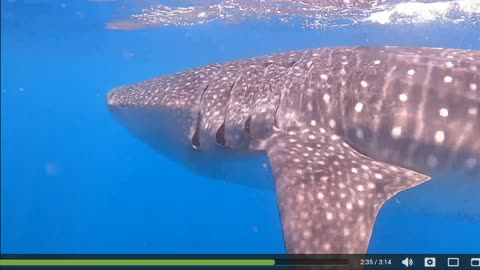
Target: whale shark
(344,128)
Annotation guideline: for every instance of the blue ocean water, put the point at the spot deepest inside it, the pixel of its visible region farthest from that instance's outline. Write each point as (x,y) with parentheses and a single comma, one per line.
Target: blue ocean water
(75,181)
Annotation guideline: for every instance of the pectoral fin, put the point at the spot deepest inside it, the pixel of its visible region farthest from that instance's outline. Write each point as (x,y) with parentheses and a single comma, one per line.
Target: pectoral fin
(329,194)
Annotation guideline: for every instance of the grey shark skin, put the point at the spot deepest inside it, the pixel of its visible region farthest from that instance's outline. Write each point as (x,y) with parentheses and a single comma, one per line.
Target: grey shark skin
(345,129)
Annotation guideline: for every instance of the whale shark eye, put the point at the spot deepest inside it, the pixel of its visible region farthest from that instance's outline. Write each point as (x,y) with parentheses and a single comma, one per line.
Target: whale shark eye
(220,135)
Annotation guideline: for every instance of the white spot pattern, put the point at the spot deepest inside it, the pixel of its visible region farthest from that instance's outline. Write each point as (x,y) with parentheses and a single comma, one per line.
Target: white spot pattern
(324,185)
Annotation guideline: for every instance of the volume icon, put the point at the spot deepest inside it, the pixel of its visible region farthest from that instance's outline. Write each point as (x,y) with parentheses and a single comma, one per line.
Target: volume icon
(407,262)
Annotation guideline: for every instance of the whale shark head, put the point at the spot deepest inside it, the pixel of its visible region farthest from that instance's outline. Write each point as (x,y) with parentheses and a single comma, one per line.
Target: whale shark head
(345,129)
(166,114)
(161,112)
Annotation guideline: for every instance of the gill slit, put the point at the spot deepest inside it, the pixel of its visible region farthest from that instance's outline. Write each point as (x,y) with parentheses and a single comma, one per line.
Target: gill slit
(220,134)
(196,134)
(282,91)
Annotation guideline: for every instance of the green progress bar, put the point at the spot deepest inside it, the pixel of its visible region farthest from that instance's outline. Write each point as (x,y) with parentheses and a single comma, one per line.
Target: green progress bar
(136,262)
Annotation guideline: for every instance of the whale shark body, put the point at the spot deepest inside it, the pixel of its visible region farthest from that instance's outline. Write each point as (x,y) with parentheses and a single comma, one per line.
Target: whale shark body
(345,129)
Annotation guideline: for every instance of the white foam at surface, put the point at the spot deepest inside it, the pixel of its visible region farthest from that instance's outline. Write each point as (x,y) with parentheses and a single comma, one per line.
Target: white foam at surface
(417,12)
(306,12)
